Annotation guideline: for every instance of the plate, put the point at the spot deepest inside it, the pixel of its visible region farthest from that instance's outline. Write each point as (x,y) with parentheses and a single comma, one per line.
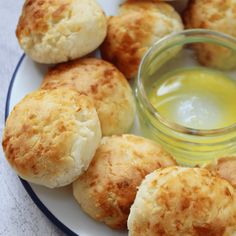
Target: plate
(57,204)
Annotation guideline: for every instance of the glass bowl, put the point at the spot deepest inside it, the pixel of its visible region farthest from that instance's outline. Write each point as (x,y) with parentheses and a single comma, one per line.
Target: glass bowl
(186,49)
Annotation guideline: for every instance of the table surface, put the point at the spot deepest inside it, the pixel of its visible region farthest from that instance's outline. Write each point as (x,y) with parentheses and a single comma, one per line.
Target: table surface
(19,216)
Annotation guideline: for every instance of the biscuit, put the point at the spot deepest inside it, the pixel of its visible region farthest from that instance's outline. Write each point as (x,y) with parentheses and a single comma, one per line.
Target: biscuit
(225,168)
(101,81)
(177,201)
(57,31)
(214,15)
(108,188)
(51,136)
(138,26)
(230,231)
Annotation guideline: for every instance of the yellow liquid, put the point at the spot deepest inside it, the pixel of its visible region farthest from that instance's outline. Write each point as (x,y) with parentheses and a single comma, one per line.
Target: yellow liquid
(195,98)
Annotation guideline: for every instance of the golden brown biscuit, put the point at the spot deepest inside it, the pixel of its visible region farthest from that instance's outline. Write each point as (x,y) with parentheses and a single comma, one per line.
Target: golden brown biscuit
(214,15)
(100,80)
(230,231)
(177,201)
(225,167)
(137,26)
(51,136)
(52,31)
(108,188)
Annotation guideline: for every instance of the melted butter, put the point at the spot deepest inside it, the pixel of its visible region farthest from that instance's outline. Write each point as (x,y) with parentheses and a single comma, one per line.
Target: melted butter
(195,98)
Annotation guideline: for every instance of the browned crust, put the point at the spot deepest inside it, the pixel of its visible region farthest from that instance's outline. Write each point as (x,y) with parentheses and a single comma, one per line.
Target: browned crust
(177,201)
(126,49)
(104,83)
(226,168)
(37,139)
(36,16)
(134,30)
(213,15)
(110,184)
(103,74)
(208,13)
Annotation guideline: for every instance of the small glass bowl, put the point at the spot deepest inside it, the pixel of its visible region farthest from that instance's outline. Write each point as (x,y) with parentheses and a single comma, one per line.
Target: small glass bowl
(186,49)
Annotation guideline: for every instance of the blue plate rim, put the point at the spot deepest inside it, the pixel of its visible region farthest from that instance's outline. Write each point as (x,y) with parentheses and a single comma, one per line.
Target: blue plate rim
(26,185)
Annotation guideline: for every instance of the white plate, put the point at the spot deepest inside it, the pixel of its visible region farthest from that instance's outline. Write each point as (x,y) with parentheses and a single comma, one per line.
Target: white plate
(57,204)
